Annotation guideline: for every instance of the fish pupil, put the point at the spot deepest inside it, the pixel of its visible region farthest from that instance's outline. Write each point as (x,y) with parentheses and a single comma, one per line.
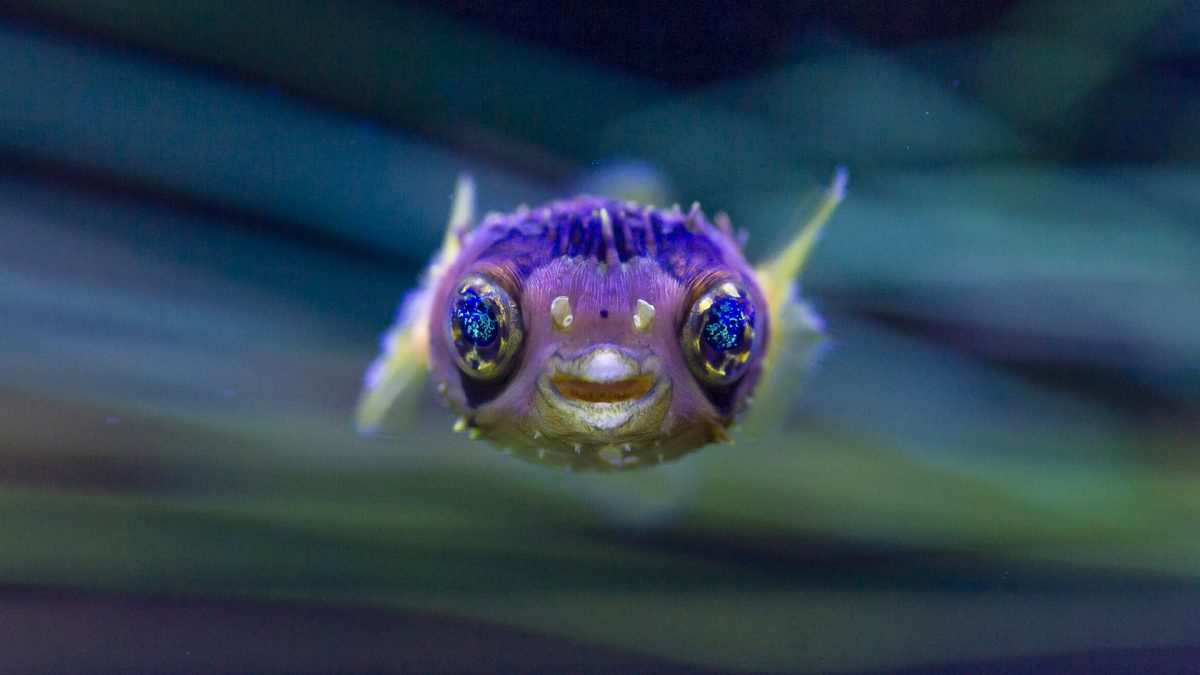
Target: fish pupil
(725,324)
(476,319)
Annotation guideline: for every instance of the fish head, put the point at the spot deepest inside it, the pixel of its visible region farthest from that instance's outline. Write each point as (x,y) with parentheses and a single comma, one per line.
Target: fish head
(597,359)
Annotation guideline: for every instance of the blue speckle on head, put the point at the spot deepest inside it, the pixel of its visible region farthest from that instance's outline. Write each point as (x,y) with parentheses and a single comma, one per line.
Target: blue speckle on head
(725,325)
(476,319)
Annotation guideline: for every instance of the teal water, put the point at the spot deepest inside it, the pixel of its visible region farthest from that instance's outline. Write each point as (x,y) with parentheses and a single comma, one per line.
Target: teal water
(208,215)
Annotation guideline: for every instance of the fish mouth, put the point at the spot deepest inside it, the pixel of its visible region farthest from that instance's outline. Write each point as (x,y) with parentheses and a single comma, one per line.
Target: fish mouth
(587,391)
(606,389)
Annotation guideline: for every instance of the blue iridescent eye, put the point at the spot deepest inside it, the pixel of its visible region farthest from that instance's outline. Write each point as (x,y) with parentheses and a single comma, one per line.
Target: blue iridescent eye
(484,327)
(718,335)
(726,322)
(475,318)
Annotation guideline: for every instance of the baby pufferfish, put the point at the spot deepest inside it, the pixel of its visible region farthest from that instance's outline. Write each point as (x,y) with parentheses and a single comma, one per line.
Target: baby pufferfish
(592,333)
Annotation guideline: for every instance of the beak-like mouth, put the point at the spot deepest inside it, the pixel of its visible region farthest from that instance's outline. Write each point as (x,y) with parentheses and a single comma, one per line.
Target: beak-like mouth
(605,389)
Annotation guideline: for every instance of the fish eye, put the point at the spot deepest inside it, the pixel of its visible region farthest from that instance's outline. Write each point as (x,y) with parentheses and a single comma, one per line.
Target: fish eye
(484,326)
(718,334)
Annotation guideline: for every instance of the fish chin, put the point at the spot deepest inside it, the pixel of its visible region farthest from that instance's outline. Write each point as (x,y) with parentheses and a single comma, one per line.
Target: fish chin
(606,416)
(614,421)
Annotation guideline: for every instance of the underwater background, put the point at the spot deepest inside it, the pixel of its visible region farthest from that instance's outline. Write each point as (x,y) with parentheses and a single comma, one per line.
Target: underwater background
(209,212)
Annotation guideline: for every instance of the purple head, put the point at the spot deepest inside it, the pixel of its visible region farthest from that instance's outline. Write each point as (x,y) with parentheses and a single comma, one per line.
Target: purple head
(592,333)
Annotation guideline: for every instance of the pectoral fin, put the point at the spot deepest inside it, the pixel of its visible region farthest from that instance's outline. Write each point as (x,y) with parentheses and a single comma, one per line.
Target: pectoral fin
(797,330)
(778,276)
(396,377)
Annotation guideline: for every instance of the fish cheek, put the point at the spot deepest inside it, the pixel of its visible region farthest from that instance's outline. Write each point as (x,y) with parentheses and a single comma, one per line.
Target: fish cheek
(479,392)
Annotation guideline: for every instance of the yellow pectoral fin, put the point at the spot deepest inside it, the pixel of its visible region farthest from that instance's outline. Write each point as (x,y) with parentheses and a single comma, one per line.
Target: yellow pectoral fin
(796,330)
(396,377)
(777,277)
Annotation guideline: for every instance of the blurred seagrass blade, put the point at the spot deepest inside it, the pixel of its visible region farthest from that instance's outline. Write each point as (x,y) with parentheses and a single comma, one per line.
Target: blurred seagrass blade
(1064,50)
(402,65)
(1088,80)
(650,596)
(1115,249)
(195,137)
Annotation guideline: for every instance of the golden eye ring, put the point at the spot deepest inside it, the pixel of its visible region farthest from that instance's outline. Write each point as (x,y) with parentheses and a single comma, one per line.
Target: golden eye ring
(483,325)
(718,335)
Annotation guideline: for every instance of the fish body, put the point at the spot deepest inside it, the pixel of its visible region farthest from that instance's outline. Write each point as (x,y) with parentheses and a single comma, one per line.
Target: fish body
(589,333)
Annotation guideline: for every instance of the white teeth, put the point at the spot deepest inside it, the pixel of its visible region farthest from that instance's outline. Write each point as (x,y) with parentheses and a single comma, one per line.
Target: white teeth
(607,365)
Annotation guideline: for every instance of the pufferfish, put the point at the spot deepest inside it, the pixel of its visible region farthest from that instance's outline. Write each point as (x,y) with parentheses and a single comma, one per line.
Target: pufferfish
(593,333)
